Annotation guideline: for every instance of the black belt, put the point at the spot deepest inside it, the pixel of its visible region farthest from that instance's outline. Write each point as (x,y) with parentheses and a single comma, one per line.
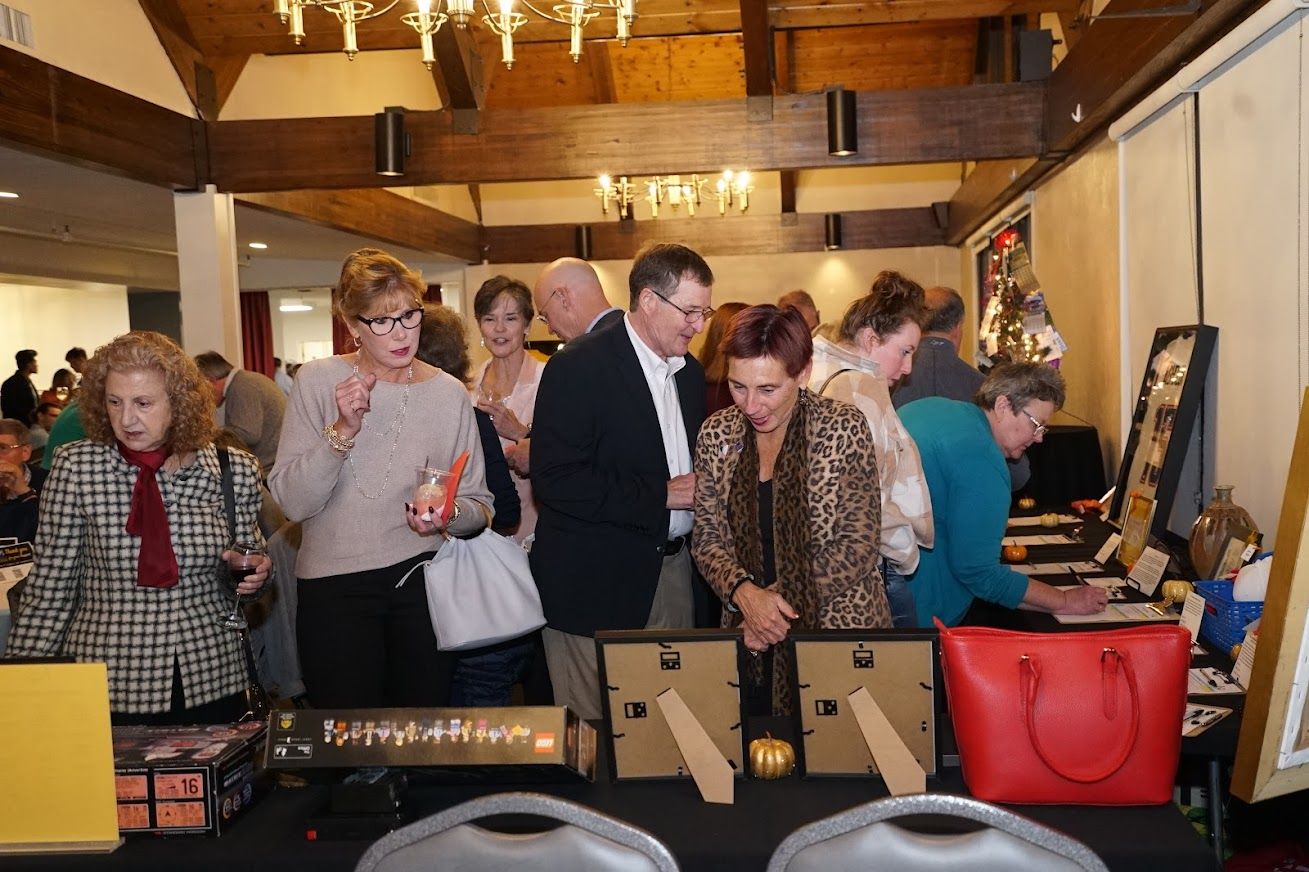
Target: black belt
(672,546)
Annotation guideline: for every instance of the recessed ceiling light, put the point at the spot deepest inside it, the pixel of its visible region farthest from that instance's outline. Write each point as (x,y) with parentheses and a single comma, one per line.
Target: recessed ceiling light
(260,246)
(8,195)
(295,307)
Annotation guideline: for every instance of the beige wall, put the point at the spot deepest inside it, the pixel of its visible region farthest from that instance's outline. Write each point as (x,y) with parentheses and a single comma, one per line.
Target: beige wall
(107,40)
(53,316)
(321,85)
(833,278)
(1075,246)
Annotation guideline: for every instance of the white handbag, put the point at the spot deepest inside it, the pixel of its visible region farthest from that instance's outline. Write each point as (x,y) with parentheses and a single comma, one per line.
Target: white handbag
(480,591)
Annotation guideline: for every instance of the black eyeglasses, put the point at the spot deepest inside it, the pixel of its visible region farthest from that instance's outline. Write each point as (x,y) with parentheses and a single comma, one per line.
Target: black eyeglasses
(691,314)
(1038,429)
(383,325)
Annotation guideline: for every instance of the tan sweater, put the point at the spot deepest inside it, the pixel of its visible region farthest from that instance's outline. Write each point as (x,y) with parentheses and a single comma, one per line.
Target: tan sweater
(344,530)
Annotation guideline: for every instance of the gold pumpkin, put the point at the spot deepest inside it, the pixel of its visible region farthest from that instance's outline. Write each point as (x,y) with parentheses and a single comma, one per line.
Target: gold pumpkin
(771,758)
(1050,519)
(1026,503)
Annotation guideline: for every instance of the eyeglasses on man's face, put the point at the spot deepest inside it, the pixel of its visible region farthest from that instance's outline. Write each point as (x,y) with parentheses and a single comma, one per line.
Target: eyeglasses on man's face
(1039,428)
(540,316)
(384,324)
(692,315)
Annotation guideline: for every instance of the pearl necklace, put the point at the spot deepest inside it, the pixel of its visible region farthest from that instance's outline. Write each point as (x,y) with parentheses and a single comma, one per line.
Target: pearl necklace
(397,424)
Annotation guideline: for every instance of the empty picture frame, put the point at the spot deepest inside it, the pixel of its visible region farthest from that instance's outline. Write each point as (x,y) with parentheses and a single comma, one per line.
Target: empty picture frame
(1272,753)
(901,669)
(1166,409)
(703,666)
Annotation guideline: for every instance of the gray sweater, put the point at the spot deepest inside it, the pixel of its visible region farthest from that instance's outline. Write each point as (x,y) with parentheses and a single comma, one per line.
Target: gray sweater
(345,531)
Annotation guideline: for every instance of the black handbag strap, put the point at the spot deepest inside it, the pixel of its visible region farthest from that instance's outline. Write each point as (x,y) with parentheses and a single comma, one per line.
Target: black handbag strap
(229,492)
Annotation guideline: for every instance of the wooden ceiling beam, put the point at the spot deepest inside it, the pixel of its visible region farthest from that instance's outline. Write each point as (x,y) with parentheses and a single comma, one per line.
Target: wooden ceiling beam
(1115,63)
(713,236)
(53,112)
(377,214)
(460,76)
(207,82)
(757,46)
(922,126)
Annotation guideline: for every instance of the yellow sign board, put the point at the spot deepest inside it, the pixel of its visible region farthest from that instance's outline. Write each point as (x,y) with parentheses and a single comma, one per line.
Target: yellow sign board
(56,759)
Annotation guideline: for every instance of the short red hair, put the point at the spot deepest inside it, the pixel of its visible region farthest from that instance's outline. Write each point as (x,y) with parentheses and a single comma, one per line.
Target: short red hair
(767,331)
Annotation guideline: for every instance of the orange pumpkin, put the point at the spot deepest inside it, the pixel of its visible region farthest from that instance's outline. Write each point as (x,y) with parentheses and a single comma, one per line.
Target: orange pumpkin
(1026,503)
(1014,553)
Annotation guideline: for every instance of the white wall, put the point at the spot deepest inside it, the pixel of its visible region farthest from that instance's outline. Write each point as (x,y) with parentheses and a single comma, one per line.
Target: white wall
(110,41)
(54,317)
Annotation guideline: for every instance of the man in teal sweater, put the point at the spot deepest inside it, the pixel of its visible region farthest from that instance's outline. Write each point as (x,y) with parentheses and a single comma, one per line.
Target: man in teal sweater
(964,447)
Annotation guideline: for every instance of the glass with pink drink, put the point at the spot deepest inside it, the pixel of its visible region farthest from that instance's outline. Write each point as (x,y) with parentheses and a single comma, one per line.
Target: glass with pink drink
(430,493)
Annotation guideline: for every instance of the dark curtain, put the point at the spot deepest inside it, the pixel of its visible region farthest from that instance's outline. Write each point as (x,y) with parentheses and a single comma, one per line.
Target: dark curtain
(433,294)
(256,332)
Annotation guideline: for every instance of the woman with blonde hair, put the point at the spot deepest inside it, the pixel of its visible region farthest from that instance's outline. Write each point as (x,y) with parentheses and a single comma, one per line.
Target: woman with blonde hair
(130,548)
(358,426)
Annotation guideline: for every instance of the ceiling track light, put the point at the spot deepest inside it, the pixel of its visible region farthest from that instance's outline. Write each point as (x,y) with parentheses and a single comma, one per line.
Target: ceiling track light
(832,231)
(842,123)
(390,142)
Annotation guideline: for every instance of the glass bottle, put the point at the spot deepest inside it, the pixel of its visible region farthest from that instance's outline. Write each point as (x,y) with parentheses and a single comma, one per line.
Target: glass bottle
(1212,529)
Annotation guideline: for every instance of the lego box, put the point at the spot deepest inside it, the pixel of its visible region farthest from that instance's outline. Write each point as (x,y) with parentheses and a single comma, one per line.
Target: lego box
(518,743)
(194,779)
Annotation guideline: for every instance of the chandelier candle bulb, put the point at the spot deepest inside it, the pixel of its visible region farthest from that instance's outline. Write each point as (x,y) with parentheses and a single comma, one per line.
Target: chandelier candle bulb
(282,10)
(297,23)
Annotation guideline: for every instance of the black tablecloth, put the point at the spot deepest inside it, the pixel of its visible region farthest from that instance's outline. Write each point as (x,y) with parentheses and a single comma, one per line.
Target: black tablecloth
(1067,465)
(702,836)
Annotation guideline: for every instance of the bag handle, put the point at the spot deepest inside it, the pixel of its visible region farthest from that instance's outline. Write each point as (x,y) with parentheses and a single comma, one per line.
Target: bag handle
(1031,678)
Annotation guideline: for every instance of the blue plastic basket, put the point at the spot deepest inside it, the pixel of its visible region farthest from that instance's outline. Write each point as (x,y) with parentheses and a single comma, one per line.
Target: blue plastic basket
(1225,619)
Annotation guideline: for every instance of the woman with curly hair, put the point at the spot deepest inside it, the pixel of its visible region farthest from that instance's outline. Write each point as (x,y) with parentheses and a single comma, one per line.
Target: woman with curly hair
(130,544)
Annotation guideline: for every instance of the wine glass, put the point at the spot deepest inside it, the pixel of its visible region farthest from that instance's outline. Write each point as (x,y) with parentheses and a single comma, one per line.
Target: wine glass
(242,560)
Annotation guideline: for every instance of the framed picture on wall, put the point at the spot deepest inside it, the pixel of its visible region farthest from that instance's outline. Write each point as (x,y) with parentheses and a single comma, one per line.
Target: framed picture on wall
(1166,409)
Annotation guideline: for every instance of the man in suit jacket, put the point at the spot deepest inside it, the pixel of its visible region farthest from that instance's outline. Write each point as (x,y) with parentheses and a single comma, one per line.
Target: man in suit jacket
(940,372)
(250,404)
(570,300)
(18,396)
(617,415)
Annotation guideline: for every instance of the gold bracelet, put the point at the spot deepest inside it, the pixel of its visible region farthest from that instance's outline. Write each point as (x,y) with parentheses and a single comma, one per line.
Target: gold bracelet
(454,515)
(337,443)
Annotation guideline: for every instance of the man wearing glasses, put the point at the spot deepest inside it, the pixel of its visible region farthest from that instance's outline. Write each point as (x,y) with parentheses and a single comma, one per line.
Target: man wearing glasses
(617,414)
(20,482)
(570,300)
(964,447)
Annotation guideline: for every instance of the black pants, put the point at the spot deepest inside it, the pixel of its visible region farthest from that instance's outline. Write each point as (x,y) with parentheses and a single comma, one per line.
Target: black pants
(365,644)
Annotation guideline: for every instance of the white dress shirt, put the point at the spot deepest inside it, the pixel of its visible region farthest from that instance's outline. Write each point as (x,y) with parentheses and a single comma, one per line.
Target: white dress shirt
(659,376)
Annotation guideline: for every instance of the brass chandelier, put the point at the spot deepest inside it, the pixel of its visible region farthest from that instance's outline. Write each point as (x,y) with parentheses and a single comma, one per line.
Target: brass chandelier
(429,15)
(731,190)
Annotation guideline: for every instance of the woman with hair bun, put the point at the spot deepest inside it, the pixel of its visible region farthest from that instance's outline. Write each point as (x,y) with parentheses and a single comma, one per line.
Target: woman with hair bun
(873,350)
(786,501)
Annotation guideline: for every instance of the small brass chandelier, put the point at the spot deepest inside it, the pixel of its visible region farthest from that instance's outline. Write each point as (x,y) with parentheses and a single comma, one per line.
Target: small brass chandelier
(429,15)
(731,190)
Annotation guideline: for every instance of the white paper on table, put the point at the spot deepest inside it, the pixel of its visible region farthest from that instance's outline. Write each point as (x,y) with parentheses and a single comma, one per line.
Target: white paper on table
(1149,570)
(1108,548)
(1245,660)
(1035,520)
(1046,539)
(1207,679)
(1119,613)
(1109,584)
(1192,613)
(11,575)
(1198,718)
(1066,568)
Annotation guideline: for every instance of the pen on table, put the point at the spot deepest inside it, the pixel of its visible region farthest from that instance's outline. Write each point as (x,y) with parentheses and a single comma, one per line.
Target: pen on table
(1077,576)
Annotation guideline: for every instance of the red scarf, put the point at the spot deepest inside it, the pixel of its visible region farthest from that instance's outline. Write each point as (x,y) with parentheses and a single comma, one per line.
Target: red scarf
(156,565)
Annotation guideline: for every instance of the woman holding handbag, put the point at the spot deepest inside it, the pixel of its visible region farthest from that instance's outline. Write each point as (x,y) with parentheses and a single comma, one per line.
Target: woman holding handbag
(130,549)
(357,427)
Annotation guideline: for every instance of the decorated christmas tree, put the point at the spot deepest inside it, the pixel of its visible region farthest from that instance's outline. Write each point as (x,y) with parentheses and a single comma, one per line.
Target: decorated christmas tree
(1017,326)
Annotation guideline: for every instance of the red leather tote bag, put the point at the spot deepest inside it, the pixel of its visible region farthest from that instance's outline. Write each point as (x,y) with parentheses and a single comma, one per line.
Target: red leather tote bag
(1079,718)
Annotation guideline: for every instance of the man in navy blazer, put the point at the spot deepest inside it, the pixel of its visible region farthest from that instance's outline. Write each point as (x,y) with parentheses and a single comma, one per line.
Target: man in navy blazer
(616,418)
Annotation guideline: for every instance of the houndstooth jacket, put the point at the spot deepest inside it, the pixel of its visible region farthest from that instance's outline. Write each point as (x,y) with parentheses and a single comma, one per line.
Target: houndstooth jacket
(82,600)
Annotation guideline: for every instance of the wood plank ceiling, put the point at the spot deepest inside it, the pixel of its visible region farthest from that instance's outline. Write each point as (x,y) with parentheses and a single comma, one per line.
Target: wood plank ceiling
(681,49)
